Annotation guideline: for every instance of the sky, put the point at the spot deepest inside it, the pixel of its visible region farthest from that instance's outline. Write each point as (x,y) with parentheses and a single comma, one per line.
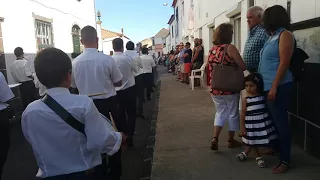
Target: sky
(139,19)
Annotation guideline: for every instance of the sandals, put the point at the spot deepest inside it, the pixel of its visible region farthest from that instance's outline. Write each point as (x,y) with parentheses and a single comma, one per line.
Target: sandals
(214,144)
(281,168)
(234,144)
(261,162)
(242,156)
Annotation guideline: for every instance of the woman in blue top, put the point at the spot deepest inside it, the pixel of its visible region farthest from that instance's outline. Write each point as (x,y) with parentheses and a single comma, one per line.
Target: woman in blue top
(274,68)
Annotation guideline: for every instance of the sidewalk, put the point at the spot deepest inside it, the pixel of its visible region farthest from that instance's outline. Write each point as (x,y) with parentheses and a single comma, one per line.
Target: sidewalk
(184,132)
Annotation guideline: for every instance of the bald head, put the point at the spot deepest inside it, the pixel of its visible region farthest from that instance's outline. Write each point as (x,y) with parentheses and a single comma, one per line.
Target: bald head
(89,36)
(254,16)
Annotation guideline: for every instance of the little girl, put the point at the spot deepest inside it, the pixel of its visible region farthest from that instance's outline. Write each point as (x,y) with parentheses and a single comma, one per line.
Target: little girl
(256,127)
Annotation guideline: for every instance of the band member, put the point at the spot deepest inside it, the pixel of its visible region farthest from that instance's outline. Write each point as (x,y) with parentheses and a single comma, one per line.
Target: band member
(94,72)
(126,93)
(62,151)
(138,77)
(148,66)
(5,95)
(21,72)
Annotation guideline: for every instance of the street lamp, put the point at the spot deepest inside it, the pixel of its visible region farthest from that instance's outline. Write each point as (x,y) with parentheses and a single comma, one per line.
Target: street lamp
(165,4)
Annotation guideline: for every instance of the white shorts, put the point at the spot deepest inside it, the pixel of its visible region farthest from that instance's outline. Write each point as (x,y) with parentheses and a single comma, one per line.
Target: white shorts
(227,109)
(182,68)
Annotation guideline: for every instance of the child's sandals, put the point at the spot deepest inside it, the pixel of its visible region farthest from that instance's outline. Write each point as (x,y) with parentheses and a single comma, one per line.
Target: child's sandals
(261,162)
(242,156)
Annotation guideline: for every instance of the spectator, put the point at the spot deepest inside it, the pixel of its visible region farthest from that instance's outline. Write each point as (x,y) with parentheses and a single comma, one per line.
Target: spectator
(226,103)
(256,39)
(187,62)
(274,68)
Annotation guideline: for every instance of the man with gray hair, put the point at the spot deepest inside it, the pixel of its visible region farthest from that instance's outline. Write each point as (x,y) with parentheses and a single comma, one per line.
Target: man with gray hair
(256,39)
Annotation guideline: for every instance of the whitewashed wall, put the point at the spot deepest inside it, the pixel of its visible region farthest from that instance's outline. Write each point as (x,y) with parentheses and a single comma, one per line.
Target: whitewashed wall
(18,28)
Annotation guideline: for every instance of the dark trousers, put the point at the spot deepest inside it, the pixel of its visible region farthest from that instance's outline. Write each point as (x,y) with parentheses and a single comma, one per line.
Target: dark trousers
(4,138)
(278,109)
(140,92)
(93,174)
(128,107)
(28,93)
(148,81)
(106,106)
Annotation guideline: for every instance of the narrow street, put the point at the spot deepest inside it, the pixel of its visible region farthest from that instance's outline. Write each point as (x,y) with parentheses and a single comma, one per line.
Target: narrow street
(21,164)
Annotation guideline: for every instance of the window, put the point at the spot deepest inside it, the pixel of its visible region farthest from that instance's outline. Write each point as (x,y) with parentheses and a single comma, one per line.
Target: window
(251,3)
(43,34)
(172,32)
(237,32)
(289,7)
(76,39)
(183,8)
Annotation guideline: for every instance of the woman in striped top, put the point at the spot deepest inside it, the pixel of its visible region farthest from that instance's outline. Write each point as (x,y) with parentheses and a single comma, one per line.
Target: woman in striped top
(256,127)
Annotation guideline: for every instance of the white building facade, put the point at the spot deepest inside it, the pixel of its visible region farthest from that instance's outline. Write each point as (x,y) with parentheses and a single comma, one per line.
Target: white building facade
(36,24)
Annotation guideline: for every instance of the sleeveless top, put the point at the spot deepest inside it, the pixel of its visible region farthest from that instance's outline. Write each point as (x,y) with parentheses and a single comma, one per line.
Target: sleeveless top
(200,56)
(215,57)
(270,60)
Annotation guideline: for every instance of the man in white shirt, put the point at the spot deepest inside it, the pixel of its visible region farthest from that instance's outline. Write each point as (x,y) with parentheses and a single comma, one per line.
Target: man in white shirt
(148,65)
(97,74)
(21,72)
(5,95)
(126,93)
(138,77)
(61,150)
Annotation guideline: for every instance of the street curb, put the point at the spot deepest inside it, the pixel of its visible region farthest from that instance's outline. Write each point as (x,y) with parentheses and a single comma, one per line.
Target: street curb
(148,152)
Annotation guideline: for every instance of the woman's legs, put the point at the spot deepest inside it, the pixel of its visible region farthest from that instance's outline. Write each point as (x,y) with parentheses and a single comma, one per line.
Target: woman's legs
(226,108)
(278,109)
(234,119)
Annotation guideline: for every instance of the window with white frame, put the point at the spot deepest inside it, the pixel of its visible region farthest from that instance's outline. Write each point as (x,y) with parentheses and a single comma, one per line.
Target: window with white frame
(43,34)
(237,32)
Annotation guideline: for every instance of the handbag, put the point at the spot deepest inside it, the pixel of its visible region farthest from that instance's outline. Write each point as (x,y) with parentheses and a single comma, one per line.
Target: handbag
(63,113)
(227,78)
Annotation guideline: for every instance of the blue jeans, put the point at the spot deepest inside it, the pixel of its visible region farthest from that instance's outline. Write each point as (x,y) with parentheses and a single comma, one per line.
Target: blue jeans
(278,109)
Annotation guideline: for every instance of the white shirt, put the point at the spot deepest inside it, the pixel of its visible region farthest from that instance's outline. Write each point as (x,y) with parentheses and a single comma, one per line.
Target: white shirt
(126,66)
(94,72)
(59,148)
(30,59)
(147,63)
(39,85)
(136,60)
(20,70)
(5,92)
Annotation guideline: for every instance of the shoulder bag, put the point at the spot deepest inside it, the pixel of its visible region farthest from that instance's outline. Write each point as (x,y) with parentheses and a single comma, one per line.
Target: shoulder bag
(227,78)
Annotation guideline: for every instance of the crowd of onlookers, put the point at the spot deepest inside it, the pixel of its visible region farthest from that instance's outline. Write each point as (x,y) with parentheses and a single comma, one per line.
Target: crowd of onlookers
(264,92)
(183,60)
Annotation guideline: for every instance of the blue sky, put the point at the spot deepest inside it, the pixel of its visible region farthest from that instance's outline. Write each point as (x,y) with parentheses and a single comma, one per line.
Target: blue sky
(138,18)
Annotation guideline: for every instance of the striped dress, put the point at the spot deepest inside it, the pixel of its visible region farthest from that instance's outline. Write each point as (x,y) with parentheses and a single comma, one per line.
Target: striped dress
(258,123)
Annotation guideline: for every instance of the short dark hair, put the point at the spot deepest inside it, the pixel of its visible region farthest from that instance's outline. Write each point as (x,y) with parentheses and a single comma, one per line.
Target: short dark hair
(89,34)
(275,17)
(18,51)
(188,44)
(256,78)
(223,34)
(171,52)
(117,44)
(144,50)
(52,67)
(130,45)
